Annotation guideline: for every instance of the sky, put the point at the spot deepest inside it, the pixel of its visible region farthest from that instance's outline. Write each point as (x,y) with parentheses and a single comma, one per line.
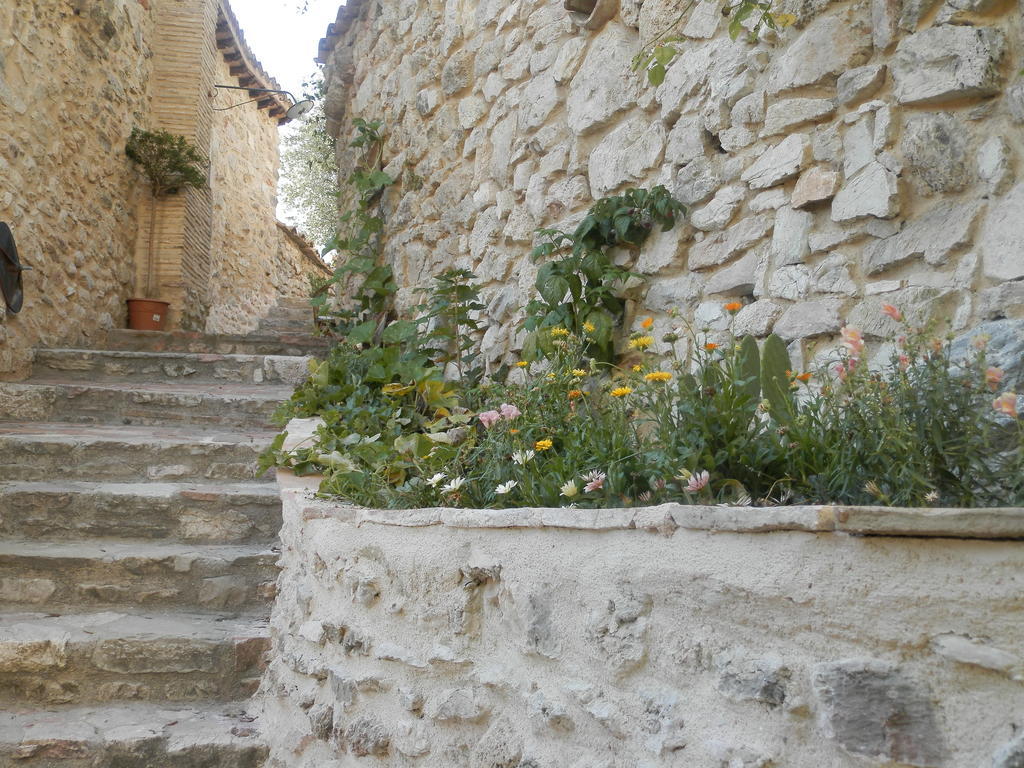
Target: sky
(284,37)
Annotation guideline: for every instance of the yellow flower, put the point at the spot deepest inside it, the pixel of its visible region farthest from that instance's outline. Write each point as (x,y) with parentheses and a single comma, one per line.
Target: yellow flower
(637,368)
(559,332)
(647,323)
(641,342)
(522,364)
(658,376)
(622,391)
(551,377)
(579,373)
(589,327)
(542,445)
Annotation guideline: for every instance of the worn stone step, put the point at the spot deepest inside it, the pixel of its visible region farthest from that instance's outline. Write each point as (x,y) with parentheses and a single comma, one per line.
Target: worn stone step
(145,403)
(188,341)
(200,513)
(95,365)
(100,574)
(139,735)
(80,659)
(38,451)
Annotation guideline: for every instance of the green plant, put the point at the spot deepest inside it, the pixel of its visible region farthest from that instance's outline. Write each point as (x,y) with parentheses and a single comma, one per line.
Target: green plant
(579,286)
(450,319)
(655,56)
(169,163)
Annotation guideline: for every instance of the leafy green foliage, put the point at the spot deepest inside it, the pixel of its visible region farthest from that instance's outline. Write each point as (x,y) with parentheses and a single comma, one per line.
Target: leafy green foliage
(170,162)
(655,57)
(579,283)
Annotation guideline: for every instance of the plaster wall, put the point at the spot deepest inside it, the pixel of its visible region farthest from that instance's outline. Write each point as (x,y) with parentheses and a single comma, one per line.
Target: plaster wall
(868,154)
(705,637)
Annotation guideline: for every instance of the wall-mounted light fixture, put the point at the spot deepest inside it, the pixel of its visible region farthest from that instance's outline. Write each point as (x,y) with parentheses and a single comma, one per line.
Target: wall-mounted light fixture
(297,110)
(591,14)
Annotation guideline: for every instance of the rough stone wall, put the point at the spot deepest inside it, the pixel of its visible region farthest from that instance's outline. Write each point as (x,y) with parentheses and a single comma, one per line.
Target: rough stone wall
(73,82)
(868,154)
(658,637)
(243,182)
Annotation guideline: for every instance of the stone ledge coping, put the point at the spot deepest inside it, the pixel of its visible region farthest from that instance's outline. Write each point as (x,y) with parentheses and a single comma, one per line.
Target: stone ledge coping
(665,519)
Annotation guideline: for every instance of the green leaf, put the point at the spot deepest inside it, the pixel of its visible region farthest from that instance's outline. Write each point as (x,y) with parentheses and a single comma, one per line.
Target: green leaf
(363,333)
(399,331)
(656,74)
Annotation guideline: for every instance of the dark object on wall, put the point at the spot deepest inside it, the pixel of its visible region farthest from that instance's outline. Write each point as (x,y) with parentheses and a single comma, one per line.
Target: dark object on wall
(10,270)
(591,14)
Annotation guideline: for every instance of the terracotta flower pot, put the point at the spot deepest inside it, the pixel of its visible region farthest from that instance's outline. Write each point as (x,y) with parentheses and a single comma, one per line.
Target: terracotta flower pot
(147,314)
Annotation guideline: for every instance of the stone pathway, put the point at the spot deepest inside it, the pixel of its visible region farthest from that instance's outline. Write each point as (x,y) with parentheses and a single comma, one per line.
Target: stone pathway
(138,547)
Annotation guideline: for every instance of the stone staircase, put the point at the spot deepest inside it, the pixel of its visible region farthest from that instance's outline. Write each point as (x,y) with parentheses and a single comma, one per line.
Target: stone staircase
(138,548)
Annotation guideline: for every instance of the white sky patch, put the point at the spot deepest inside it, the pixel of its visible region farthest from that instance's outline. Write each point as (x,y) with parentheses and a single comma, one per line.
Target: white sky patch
(285,39)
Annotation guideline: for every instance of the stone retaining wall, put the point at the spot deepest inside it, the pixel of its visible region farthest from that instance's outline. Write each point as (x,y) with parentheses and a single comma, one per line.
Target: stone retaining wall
(705,637)
(868,154)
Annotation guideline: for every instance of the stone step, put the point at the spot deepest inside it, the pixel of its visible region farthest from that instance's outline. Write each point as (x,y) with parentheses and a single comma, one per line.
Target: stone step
(200,513)
(39,451)
(100,574)
(188,341)
(81,659)
(144,403)
(140,735)
(285,325)
(96,365)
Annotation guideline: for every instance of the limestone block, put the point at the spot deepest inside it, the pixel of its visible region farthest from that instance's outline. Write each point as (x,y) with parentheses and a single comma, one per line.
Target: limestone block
(1004,300)
(740,277)
(741,678)
(685,141)
(827,47)
(935,147)
(994,165)
(721,247)
(664,249)
(859,145)
(783,116)
(750,109)
(704,20)
(859,83)
(596,94)
(872,192)
(697,181)
(1004,349)
(457,705)
(471,110)
(771,200)
(757,319)
(540,97)
(815,185)
(967,651)
(1001,239)
(719,211)
(918,305)
(934,236)
(31,591)
(736,138)
(832,275)
(570,56)
(626,154)
(789,237)
(783,161)
(950,62)
(809,318)
(365,736)
(674,293)
(1010,755)
(501,745)
(456,73)
(1015,100)
(875,709)
(428,100)
(789,282)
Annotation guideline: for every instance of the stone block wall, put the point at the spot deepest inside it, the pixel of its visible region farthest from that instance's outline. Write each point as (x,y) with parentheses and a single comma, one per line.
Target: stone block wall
(868,154)
(704,637)
(73,81)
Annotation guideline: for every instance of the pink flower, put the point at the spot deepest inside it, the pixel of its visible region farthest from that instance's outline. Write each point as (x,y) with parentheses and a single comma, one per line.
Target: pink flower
(904,362)
(1006,403)
(698,481)
(993,376)
(509,411)
(489,418)
(595,481)
(852,340)
(892,311)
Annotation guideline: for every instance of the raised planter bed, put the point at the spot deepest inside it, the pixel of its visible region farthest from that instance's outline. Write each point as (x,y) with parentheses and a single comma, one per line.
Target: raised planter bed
(660,636)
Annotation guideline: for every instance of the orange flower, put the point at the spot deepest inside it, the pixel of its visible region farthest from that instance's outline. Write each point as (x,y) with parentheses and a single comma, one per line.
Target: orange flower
(734,306)
(892,311)
(804,377)
(647,323)
(575,394)
(710,346)
(993,376)
(1006,404)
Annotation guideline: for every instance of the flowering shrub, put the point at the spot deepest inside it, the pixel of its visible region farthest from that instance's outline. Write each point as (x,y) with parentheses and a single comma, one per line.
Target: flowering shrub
(728,423)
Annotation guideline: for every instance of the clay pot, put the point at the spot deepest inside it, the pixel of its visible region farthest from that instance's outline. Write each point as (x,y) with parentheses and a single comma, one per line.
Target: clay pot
(147,314)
